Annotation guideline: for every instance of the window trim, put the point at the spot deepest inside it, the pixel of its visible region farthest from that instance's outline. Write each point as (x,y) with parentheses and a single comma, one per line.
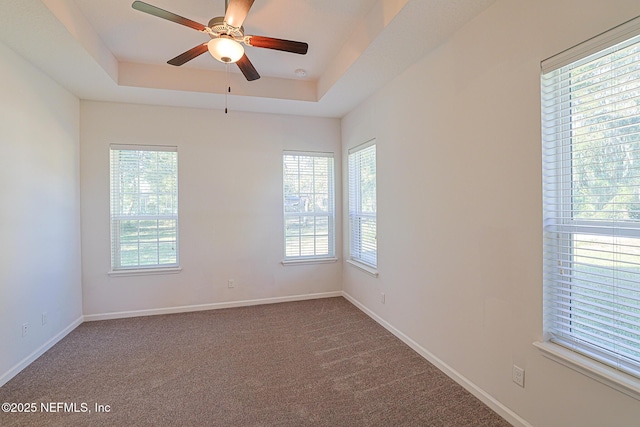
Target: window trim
(312,259)
(140,270)
(364,267)
(593,369)
(303,261)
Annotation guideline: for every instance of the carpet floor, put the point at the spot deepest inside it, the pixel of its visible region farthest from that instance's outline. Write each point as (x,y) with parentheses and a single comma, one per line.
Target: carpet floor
(308,363)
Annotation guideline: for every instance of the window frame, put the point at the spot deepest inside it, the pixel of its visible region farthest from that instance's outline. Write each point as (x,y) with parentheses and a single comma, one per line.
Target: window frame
(571,349)
(356,213)
(330,213)
(115,218)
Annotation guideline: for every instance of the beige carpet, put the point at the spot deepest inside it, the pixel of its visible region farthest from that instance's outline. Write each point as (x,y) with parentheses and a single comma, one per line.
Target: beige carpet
(309,363)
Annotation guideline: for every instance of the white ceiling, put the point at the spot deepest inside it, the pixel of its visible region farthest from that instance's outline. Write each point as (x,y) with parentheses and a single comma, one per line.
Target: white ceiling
(106,50)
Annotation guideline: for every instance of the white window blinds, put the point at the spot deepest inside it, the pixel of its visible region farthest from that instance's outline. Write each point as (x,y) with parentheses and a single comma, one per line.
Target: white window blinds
(309,207)
(144,207)
(362,204)
(591,188)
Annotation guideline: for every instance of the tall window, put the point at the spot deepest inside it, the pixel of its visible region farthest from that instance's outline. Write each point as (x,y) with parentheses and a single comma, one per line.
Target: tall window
(362,204)
(309,211)
(591,170)
(144,207)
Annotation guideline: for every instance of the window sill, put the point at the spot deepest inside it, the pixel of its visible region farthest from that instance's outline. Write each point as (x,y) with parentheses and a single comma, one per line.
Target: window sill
(308,261)
(370,270)
(604,374)
(144,271)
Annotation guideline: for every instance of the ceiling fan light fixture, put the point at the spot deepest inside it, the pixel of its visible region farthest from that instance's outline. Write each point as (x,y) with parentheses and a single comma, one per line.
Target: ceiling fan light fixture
(225,49)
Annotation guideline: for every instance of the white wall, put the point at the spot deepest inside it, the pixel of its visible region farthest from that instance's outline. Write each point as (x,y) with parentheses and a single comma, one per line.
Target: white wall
(40,267)
(460,207)
(230,206)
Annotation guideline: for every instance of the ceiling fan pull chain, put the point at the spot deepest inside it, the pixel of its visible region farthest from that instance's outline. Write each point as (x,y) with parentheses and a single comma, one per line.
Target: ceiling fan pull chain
(226,95)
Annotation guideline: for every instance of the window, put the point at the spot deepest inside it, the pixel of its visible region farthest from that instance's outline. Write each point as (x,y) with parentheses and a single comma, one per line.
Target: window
(362,204)
(144,207)
(309,212)
(591,189)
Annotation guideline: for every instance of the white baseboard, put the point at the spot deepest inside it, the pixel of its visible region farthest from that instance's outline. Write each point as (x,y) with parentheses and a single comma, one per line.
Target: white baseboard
(15,370)
(4,378)
(211,306)
(483,396)
(487,399)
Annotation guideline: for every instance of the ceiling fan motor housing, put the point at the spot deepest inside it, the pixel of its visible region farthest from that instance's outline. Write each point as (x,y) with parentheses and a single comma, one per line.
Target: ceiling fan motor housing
(219,27)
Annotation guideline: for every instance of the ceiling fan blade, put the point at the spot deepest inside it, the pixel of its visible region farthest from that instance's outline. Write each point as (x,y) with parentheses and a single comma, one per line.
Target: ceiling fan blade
(188,55)
(279,44)
(247,68)
(237,11)
(161,13)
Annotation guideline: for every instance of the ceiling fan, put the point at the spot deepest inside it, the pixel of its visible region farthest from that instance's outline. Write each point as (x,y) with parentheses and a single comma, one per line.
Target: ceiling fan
(227,34)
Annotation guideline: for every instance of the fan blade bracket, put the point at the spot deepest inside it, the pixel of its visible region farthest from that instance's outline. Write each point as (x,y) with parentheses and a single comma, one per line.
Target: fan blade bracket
(217,26)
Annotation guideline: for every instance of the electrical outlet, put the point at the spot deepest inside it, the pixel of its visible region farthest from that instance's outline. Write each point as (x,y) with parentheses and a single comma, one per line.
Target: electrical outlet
(518,375)
(231,283)
(25,329)
(382,297)
(44,318)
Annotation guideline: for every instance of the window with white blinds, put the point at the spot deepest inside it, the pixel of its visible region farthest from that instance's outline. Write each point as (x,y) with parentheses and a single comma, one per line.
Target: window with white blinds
(591,190)
(309,206)
(144,207)
(362,204)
